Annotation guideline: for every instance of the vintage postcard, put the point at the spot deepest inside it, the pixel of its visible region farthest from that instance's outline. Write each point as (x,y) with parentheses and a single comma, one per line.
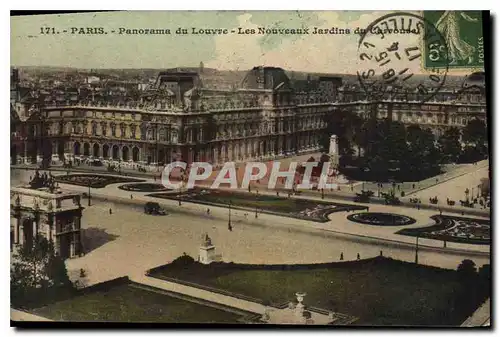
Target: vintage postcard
(250,167)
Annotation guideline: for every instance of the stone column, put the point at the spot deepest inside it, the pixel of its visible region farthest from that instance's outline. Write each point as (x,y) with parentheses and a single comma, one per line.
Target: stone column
(57,245)
(21,235)
(25,152)
(72,245)
(215,158)
(16,231)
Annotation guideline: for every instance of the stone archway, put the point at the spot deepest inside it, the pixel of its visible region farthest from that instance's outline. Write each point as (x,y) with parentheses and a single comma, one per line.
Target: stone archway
(125,153)
(86,149)
(105,151)
(116,152)
(96,150)
(13,154)
(135,154)
(28,232)
(76,148)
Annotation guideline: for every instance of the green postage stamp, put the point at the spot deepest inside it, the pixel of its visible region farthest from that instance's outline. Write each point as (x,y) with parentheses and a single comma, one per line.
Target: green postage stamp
(462,31)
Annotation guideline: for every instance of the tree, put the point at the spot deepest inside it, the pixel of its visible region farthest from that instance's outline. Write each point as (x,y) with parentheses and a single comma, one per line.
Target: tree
(449,144)
(422,152)
(475,134)
(36,272)
(467,269)
(485,187)
(485,273)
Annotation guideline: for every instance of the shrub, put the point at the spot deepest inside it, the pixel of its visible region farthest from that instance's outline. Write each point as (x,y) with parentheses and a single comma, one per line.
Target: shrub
(184,260)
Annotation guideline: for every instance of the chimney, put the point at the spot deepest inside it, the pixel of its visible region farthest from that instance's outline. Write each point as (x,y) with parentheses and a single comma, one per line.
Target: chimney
(260,77)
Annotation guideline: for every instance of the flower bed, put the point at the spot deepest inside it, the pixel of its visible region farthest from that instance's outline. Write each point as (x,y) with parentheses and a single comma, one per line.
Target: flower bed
(94,180)
(311,210)
(454,229)
(144,187)
(381,219)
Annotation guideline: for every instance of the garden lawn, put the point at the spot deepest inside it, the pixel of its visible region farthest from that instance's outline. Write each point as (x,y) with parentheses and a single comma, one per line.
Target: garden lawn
(127,303)
(379,291)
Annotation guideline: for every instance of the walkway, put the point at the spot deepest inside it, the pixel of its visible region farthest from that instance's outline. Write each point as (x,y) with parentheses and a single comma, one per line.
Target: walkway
(18,315)
(481,317)
(276,316)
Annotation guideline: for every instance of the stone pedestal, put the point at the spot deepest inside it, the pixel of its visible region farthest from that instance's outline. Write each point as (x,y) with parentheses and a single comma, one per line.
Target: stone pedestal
(334,151)
(207,251)
(299,308)
(207,254)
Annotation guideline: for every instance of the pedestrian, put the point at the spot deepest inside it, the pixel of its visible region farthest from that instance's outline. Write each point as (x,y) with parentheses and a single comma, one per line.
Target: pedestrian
(131,197)
(208,211)
(230,228)
(277,193)
(413,186)
(110,211)
(358,257)
(341,256)
(381,253)
(440,211)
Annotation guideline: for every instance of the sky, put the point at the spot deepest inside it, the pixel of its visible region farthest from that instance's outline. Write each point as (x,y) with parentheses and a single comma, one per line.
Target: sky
(328,53)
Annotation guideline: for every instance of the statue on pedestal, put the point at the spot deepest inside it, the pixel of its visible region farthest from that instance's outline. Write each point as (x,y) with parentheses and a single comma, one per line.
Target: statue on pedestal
(206,241)
(299,308)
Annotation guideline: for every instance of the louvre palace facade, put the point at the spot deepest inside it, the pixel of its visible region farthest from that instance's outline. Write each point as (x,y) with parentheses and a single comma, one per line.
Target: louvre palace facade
(186,115)
(197,114)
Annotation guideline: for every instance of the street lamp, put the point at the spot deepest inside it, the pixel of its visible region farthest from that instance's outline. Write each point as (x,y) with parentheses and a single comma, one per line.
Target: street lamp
(180,189)
(256,205)
(416,251)
(89,194)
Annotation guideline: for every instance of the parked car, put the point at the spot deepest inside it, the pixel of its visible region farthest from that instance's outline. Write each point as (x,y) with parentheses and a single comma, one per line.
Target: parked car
(154,208)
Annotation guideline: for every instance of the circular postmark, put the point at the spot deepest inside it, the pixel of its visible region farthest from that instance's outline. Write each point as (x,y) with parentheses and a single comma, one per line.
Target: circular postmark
(402,56)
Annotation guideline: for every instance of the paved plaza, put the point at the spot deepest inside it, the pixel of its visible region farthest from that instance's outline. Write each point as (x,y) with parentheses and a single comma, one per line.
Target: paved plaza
(455,188)
(129,242)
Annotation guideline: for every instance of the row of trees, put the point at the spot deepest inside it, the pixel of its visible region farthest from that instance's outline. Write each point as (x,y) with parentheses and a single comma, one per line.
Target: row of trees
(385,148)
